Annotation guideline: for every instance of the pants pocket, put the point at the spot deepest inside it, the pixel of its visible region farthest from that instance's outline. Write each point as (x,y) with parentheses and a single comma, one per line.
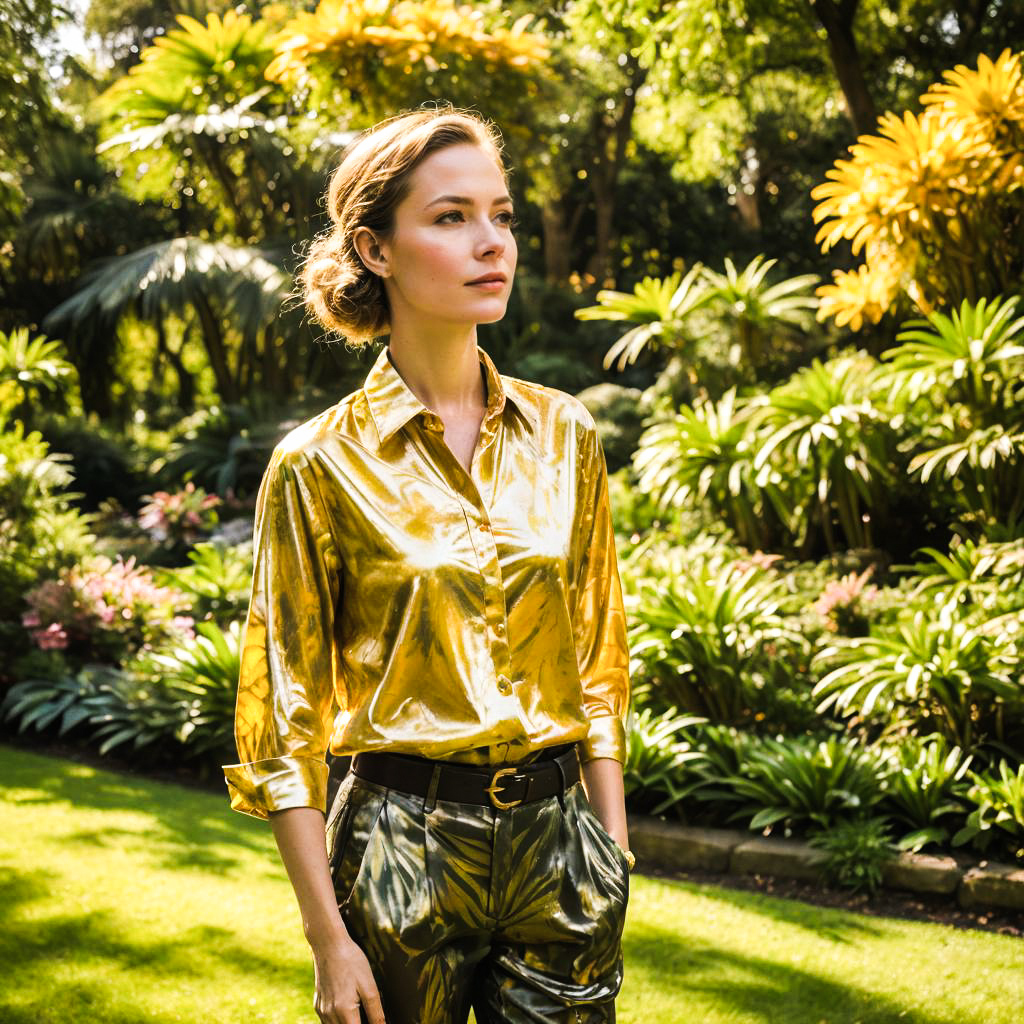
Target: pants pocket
(354,830)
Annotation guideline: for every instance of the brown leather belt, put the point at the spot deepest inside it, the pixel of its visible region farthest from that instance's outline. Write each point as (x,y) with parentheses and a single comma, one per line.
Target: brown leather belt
(502,787)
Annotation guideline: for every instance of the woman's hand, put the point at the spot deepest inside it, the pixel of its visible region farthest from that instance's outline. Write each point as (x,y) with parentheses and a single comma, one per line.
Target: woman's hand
(602,779)
(344,982)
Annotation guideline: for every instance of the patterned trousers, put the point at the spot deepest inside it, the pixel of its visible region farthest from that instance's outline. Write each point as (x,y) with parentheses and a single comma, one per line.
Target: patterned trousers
(517,913)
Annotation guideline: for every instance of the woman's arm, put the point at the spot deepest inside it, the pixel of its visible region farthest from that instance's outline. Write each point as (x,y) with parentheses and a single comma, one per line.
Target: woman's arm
(344,980)
(602,778)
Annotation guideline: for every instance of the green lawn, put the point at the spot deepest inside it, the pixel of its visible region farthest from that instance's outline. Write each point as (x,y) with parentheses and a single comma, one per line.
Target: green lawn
(126,902)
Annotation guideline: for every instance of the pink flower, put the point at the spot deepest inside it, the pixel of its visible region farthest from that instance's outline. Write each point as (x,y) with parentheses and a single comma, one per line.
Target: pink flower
(30,620)
(845,595)
(53,638)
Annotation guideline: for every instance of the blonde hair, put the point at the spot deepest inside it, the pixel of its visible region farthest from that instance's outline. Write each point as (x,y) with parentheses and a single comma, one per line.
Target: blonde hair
(372,179)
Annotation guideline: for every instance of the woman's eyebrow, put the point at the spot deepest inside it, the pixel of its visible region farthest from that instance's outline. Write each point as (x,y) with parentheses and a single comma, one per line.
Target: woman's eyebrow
(464,201)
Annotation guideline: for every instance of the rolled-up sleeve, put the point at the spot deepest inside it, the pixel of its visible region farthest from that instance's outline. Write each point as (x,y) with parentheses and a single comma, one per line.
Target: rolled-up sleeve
(599,620)
(286,695)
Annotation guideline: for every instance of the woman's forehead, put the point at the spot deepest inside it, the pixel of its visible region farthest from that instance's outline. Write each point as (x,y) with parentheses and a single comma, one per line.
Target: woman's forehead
(464,170)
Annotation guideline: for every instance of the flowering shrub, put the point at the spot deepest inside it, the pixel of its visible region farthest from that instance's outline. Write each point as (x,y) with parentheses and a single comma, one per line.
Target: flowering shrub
(842,603)
(180,518)
(926,200)
(103,610)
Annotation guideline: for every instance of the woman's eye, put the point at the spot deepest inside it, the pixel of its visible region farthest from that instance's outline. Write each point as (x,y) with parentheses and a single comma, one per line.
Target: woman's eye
(451,213)
(509,219)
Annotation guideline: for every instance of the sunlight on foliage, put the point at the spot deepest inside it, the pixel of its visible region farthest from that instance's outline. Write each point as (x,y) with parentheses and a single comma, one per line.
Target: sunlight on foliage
(924,199)
(355,39)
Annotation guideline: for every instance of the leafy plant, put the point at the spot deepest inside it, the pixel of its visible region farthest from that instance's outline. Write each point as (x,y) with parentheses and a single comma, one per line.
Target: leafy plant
(968,365)
(755,311)
(32,371)
(653,773)
(706,453)
(825,420)
(944,674)
(225,448)
(802,780)
(216,583)
(986,575)
(708,634)
(178,703)
(109,704)
(658,305)
(750,310)
(202,676)
(40,532)
(926,789)
(998,804)
(971,355)
(855,853)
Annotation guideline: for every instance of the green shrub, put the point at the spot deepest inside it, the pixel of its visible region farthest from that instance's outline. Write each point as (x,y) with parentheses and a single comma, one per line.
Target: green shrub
(33,374)
(203,677)
(927,787)
(855,853)
(653,773)
(224,449)
(216,583)
(710,639)
(998,801)
(959,677)
(40,532)
(800,781)
(173,705)
(104,465)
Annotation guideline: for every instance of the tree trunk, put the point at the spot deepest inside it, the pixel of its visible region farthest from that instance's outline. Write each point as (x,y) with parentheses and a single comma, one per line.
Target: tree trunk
(186,382)
(557,242)
(837,20)
(613,136)
(213,340)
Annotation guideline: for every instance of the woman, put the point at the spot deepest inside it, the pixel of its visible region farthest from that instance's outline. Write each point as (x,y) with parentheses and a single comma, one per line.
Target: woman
(435,592)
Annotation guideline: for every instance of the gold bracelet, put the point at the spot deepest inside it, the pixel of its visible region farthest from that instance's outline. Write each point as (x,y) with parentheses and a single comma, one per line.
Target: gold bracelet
(630,859)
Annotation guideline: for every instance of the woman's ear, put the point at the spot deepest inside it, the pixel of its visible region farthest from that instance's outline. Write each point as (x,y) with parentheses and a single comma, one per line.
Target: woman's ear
(370,252)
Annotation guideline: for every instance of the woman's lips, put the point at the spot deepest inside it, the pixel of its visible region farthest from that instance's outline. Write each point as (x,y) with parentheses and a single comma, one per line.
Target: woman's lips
(495,285)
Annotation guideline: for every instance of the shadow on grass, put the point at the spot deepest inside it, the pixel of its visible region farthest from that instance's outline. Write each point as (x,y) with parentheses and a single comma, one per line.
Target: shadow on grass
(824,922)
(758,989)
(191,823)
(38,947)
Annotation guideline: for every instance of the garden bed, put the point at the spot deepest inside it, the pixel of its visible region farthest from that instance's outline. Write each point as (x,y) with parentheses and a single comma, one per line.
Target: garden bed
(954,890)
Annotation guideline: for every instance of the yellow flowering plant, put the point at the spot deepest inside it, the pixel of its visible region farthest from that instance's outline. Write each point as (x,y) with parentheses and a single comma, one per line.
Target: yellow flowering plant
(928,202)
(380,49)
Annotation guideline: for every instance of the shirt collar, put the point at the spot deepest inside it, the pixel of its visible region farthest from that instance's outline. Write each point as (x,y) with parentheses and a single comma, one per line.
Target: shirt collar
(392,404)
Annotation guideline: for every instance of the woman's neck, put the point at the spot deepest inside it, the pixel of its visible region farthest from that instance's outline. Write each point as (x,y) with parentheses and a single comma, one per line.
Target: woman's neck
(443,372)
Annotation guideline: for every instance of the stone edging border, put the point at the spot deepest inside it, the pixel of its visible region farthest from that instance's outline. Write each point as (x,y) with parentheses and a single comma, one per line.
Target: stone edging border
(673,847)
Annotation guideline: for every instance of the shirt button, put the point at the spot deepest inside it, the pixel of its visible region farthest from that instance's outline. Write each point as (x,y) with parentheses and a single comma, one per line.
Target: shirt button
(499,628)
(485,527)
(504,685)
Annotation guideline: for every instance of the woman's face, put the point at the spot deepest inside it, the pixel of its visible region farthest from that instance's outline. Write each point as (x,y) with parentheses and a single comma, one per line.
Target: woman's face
(453,228)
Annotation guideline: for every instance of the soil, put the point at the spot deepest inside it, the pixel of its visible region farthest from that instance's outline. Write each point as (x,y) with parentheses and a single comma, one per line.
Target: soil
(884,903)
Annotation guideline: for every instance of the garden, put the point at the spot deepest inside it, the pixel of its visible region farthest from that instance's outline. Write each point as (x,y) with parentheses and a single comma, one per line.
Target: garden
(776,249)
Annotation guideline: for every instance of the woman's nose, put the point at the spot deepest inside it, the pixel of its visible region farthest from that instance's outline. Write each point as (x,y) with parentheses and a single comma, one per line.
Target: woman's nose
(491,239)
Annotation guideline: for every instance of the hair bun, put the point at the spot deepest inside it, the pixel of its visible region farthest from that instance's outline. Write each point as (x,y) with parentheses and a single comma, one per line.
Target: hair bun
(340,293)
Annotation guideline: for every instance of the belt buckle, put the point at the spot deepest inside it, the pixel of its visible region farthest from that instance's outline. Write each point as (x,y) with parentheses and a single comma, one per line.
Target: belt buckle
(495,786)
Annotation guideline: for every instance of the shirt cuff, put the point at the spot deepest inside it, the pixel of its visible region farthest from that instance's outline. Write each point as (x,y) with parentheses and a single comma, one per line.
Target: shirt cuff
(607,738)
(276,784)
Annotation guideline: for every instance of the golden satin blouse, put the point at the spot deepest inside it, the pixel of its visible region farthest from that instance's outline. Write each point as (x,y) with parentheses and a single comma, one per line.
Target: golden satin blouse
(399,603)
